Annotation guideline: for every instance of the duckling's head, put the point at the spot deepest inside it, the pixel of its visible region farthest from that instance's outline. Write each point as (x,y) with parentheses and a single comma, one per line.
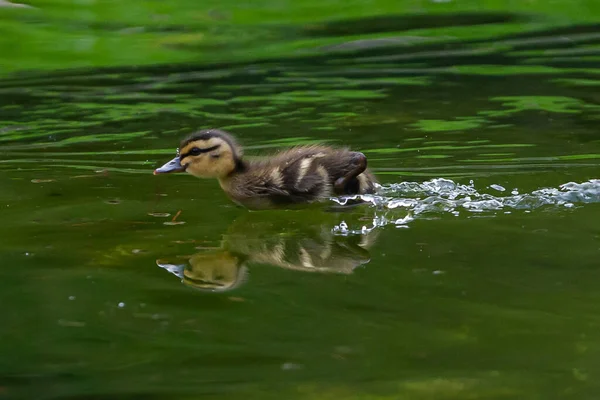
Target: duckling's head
(209,153)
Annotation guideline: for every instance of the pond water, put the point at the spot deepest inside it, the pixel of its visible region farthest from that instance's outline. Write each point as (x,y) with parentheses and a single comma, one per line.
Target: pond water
(473,273)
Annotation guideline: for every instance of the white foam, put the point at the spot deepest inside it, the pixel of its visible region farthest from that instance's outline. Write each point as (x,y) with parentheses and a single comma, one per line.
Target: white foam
(401,203)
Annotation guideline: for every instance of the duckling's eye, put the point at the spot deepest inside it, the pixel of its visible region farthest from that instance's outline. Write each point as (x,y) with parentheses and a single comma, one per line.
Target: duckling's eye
(195,151)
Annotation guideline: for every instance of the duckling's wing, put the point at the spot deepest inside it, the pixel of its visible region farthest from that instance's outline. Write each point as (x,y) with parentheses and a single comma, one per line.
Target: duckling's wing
(312,172)
(267,185)
(301,175)
(285,186)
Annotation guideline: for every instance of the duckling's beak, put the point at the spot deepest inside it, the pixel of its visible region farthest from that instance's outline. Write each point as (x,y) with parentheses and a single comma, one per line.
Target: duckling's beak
(172,166)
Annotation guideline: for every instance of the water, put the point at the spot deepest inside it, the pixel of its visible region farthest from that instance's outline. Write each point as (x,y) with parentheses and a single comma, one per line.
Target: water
(472,273)
(445,196)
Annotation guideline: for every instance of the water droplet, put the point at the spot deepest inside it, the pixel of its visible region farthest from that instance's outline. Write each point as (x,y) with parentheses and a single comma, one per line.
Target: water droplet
(121,305)
(72,298)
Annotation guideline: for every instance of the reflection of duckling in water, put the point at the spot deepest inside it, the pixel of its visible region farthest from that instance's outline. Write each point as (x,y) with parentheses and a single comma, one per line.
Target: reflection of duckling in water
(301,248)
(304,174)
(216,271)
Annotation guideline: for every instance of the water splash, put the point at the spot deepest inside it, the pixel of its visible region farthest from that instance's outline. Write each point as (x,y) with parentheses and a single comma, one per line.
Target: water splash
(400,203)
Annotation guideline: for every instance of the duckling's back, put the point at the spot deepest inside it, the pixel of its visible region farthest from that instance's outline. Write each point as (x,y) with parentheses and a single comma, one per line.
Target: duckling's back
(298,175)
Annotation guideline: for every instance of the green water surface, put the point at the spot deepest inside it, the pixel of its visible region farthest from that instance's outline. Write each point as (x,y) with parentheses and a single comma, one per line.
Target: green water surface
(495,305)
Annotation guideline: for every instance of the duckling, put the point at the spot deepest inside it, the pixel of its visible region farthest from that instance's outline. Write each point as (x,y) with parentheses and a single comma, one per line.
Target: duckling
(300,175)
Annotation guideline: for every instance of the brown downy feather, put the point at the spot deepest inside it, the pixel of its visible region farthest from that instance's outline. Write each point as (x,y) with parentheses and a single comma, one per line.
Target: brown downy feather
(299,175)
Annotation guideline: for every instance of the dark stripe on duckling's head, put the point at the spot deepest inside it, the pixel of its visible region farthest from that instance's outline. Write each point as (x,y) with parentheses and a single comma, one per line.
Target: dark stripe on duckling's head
(207,134)
(196,151)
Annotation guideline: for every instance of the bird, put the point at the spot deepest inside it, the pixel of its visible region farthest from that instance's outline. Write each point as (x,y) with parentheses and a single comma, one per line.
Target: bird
(299,175)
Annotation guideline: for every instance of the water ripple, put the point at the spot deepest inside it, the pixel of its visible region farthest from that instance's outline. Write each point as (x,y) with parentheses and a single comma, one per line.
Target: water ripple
(400,203)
